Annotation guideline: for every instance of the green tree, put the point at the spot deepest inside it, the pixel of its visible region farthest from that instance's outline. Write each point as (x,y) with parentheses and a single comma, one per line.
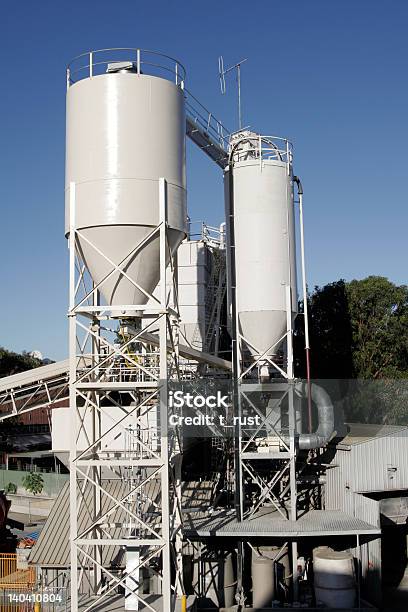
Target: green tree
(378,312)
(33,482)
(359,339)
(13,363)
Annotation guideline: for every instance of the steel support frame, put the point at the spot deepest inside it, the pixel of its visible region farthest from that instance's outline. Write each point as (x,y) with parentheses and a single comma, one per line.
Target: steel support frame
(243,465)
(287,461)
(91,391)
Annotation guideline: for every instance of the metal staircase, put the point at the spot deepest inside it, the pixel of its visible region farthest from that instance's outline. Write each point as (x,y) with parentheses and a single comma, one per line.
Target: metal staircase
(207,132)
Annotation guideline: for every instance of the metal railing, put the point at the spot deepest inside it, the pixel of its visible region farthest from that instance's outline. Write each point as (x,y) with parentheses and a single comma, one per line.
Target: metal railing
(206,120)
(248,145)
(140,61)
(198,230)
(11,577)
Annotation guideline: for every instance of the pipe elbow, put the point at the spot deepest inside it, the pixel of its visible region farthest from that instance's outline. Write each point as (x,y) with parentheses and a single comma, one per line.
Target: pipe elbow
(325,410)
(298,182)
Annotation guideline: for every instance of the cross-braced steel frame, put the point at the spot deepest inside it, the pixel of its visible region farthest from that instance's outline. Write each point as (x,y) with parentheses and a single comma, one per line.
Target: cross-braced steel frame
(272,474)
(125,512)
(282,461)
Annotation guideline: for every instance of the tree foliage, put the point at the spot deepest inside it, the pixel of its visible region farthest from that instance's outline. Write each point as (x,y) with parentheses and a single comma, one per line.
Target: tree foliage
(358,330)
(378,312)
(33,482)
(359,338)
(13,363)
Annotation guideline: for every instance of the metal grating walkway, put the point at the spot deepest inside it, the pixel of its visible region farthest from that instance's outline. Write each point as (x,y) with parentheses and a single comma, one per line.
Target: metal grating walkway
(314,523)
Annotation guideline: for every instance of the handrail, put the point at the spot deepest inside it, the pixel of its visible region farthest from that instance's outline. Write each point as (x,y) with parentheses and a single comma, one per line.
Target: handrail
(137,57)
(207,233)
(206,120)
(249,145)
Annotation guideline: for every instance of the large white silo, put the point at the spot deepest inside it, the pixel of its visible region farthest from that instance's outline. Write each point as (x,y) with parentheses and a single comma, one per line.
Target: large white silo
(125,131)
(264,228)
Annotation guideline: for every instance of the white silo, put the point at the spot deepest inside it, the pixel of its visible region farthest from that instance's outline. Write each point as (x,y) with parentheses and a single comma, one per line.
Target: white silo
(125,131)
(264,228)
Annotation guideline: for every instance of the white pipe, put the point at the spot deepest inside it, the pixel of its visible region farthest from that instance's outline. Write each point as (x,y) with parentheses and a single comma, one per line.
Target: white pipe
(303,264)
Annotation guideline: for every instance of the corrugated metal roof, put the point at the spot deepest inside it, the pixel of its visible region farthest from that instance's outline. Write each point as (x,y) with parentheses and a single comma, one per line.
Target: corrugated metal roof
(360,433)
(52,548)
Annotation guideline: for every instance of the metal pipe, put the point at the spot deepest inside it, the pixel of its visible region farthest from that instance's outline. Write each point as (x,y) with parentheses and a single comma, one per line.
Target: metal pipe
(325,430)
(239,507)
(234,330)
(297,180)
(239,96)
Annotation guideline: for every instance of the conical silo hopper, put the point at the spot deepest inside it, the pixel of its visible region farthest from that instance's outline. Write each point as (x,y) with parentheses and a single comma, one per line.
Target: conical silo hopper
(125,131)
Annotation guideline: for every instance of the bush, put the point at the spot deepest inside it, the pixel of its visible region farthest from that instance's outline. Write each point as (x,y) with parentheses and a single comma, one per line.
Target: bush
(11,488)
(33,483)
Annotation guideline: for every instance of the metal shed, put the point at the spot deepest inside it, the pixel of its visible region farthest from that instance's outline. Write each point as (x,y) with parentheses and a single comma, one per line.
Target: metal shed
(369,461)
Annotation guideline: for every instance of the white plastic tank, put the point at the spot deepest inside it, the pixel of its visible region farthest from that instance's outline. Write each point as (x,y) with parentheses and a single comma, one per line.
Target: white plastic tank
(334,579)
(263,580)
(265,250)
(269,566)
(125,130)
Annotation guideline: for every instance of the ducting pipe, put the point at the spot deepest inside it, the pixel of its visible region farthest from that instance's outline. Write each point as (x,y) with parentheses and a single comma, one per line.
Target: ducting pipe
(325,411)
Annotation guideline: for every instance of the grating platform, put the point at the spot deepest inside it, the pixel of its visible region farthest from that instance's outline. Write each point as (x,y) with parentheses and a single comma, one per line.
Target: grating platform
(314,523)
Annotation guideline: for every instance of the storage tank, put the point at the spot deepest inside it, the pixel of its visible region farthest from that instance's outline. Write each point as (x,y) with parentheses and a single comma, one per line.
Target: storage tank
(125,130)
(334,579)
(270,566)
(265,253)
(214,578)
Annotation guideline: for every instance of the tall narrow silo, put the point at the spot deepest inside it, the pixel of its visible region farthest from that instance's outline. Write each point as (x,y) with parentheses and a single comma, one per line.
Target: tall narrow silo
(264,235)
(125,130)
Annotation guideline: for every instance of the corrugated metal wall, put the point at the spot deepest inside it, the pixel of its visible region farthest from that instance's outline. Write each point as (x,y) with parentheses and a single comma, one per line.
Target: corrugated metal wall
(380,464)
(375,465)
(338,491)
(340,495)
(369,510)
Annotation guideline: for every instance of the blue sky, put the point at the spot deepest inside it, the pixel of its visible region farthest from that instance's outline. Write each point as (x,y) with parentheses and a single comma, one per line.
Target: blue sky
(331,75)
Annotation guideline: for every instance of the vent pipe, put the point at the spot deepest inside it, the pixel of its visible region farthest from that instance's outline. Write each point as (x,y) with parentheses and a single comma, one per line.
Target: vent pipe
(325,411)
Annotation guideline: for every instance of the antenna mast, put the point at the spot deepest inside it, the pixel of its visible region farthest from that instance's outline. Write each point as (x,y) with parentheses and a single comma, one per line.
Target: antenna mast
(222,72)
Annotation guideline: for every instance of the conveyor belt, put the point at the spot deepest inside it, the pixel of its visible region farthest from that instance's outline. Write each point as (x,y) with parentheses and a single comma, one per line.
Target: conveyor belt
(46,385)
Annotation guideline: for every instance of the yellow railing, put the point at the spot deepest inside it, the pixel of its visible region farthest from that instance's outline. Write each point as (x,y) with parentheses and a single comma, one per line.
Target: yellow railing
(15,582)
(11,577)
